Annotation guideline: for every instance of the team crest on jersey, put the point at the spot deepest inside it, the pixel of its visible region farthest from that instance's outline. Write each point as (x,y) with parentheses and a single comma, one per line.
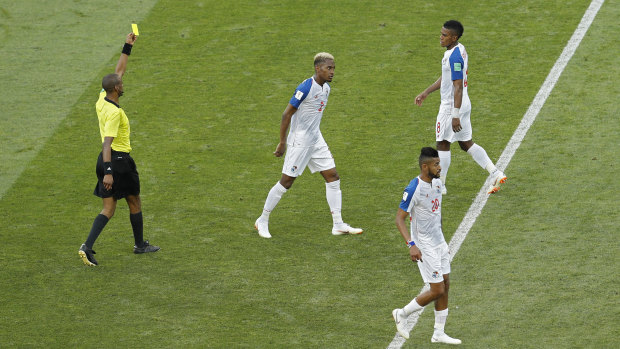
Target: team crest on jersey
(294,168)
(317,96)
(435,274)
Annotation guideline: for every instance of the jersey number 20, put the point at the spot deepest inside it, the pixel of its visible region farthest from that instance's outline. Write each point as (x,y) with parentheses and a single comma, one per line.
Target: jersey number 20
(435,204)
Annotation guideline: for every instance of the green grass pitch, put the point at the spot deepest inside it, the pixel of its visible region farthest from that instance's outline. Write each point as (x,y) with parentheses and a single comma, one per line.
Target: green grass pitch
(205,88)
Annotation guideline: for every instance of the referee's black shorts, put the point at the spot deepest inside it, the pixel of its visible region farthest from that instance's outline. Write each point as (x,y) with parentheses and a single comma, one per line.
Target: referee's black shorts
(125,174)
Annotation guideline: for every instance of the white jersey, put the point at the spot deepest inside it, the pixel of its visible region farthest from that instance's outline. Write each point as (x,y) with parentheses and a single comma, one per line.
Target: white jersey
(310,99)
(422,201)
(454,67)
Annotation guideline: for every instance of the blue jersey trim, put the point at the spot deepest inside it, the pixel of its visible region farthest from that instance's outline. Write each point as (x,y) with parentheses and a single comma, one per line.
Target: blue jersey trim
(408,194)
(301,92)
(457,64)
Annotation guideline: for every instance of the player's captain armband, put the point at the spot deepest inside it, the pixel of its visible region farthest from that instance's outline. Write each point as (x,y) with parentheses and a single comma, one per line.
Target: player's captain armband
(457,66)
(298,95)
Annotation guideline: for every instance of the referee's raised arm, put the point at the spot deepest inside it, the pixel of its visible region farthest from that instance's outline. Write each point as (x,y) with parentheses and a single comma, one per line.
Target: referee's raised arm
(122,61)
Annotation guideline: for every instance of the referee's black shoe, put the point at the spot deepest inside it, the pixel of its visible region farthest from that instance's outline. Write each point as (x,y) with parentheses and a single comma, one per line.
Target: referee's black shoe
(87,255)
(145,248)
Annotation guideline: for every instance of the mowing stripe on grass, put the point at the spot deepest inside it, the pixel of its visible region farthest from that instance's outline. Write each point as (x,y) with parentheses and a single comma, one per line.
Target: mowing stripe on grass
(48,68)
(515,141)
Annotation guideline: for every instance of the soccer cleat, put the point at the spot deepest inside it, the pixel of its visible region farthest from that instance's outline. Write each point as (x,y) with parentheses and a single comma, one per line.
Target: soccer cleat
(344,228)
(145,248)
(263,228)
(500,178)
(401,320)
(87,255)
(444,338)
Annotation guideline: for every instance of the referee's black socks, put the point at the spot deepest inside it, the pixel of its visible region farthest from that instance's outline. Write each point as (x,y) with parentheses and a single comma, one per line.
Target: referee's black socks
(137,225)
(98,225)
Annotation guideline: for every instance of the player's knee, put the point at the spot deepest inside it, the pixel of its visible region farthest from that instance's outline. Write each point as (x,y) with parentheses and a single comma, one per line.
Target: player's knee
(134,203)
(466,145)
(438,290)
(330,175)
(135,208)
(439,293)
(443,145)
(108,212)
(287,182)
(333,178)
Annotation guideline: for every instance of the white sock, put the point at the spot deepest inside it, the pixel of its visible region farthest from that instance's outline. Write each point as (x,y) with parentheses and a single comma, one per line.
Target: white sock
(440,320)
(412,307)
(481,157)
(334,200)
(444,162)
(274,196)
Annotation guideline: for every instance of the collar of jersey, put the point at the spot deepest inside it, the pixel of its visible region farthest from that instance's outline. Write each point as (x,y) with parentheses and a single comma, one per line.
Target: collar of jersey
(322,87)
(425,183)
(109,100)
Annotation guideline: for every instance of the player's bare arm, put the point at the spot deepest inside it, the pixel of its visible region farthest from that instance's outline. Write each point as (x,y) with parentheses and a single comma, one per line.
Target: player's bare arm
(284,124)
(401,218)
(122,62)
(458,100)
(108,180)
(432,88)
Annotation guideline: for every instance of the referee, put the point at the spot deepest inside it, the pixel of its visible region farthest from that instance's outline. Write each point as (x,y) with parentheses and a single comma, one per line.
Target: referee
(116,171)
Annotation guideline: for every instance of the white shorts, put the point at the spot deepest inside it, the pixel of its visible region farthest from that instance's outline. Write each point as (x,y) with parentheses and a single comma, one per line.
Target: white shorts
(435,263)
(316,157)
(443,127)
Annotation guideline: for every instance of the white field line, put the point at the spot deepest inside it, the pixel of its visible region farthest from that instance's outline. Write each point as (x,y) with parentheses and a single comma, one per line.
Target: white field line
(528,119)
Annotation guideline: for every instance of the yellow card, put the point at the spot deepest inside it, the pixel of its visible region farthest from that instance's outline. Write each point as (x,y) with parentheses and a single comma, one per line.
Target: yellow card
(134,29)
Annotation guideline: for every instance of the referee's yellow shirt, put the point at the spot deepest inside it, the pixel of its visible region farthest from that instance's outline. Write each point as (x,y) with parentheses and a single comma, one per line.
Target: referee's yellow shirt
(113,122)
